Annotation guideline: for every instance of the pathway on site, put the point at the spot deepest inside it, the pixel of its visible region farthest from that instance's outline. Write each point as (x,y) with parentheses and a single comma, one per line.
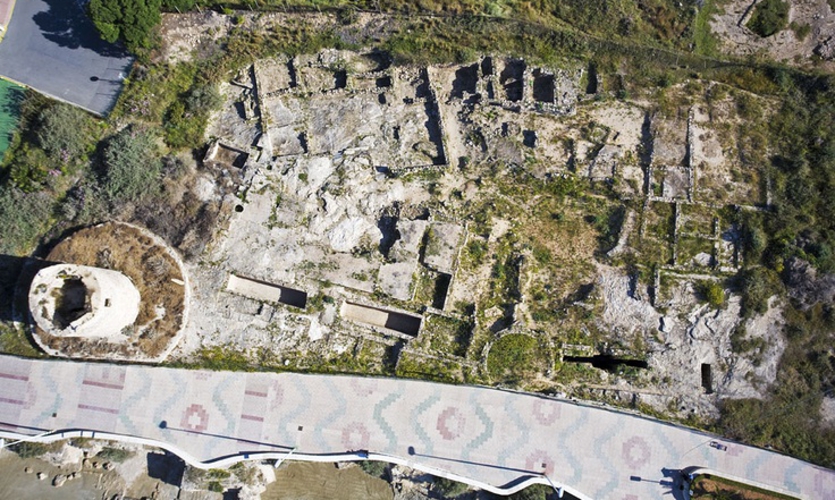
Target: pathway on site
(490,436)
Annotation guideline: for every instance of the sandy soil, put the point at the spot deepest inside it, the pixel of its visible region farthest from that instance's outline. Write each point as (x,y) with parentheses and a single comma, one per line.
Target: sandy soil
(16,483)
(314,481)
(729,27)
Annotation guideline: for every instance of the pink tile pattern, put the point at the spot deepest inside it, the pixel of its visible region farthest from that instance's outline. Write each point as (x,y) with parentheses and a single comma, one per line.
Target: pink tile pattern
(195,418)
(451,423)
(492,436)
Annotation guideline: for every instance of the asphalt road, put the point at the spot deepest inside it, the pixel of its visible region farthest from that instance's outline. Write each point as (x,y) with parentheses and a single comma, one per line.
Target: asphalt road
(52,47)
(490,437)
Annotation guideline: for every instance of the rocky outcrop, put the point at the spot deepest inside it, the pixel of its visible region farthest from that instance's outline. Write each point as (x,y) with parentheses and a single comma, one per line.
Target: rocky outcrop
(806,286)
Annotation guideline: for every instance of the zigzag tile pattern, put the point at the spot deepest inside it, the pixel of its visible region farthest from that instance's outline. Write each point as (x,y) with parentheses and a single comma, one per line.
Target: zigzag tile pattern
(491,436)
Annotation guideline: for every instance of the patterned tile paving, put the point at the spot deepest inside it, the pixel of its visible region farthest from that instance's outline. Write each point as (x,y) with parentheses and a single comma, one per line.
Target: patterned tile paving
(491,436)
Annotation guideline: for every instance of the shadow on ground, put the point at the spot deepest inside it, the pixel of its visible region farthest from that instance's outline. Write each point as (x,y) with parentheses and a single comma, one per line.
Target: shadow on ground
(66,24)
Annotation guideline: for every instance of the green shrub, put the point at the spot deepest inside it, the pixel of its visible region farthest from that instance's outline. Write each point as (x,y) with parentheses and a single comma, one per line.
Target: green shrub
(757,284)
(132,168)
(801,31)
(114,454)
(448,487)
(34,450)
(186,119)
(216,487)
(515,356)
(712,292)
(64,132)
(374,468)
(23,218)
(770,16)
(29,168)
(534,492)
(178,5)
(219,474)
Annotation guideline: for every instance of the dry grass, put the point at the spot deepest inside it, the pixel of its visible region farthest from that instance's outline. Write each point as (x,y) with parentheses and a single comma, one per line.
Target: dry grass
(148,265)
(708,489)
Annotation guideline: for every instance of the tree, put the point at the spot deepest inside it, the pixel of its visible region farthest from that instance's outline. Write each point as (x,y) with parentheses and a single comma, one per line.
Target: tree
(769,17)
(129,21)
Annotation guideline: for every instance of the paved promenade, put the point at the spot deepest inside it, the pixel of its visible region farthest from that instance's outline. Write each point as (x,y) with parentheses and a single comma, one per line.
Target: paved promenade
(490,436)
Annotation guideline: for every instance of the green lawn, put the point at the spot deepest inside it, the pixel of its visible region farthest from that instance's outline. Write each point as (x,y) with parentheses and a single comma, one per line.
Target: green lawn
(10,96)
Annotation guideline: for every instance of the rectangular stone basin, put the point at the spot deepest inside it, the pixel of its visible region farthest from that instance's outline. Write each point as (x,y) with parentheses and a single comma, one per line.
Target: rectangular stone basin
(261,290)
(383,318)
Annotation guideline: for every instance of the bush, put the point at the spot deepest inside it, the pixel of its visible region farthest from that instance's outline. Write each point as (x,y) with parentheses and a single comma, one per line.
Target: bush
(758,284)
(770,16)
(23,218)
(712,292)
(34,450)
(132,169)
(114,454)
(64,132)
(374,468)
(534,492)
(29,168)
(185,121)
(449,488)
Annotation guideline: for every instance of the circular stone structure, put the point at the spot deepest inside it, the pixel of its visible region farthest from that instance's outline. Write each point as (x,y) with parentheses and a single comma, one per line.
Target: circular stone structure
(113,291)
(83,301)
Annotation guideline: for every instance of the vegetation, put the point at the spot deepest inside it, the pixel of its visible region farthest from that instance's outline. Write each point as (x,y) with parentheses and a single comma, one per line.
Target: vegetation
(449,488)
(758,284)
(129,21)
(114,454)
(131,166)
(10,97)
(713,293)
(28,449)
(706,487)
(60,173)
(374,468)
(704,40)
(789,419)
(516,356)
(24,217)
(13,340)
(533,492)
(770,16)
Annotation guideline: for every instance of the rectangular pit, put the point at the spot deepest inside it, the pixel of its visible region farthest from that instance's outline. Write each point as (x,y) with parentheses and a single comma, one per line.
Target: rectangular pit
(442,282)
(512,79)
(230,156)
(544,86)
(399,322)
(261,290)
(466,80)
(707,378)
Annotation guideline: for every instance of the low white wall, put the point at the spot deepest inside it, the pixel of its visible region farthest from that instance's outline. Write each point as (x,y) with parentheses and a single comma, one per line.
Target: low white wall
(59,435)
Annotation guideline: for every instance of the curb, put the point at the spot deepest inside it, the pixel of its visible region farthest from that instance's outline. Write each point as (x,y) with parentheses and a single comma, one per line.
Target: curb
(4,23)
(348,456)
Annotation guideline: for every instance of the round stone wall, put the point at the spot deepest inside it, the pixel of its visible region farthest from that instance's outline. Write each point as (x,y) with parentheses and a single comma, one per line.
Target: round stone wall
(69,300)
